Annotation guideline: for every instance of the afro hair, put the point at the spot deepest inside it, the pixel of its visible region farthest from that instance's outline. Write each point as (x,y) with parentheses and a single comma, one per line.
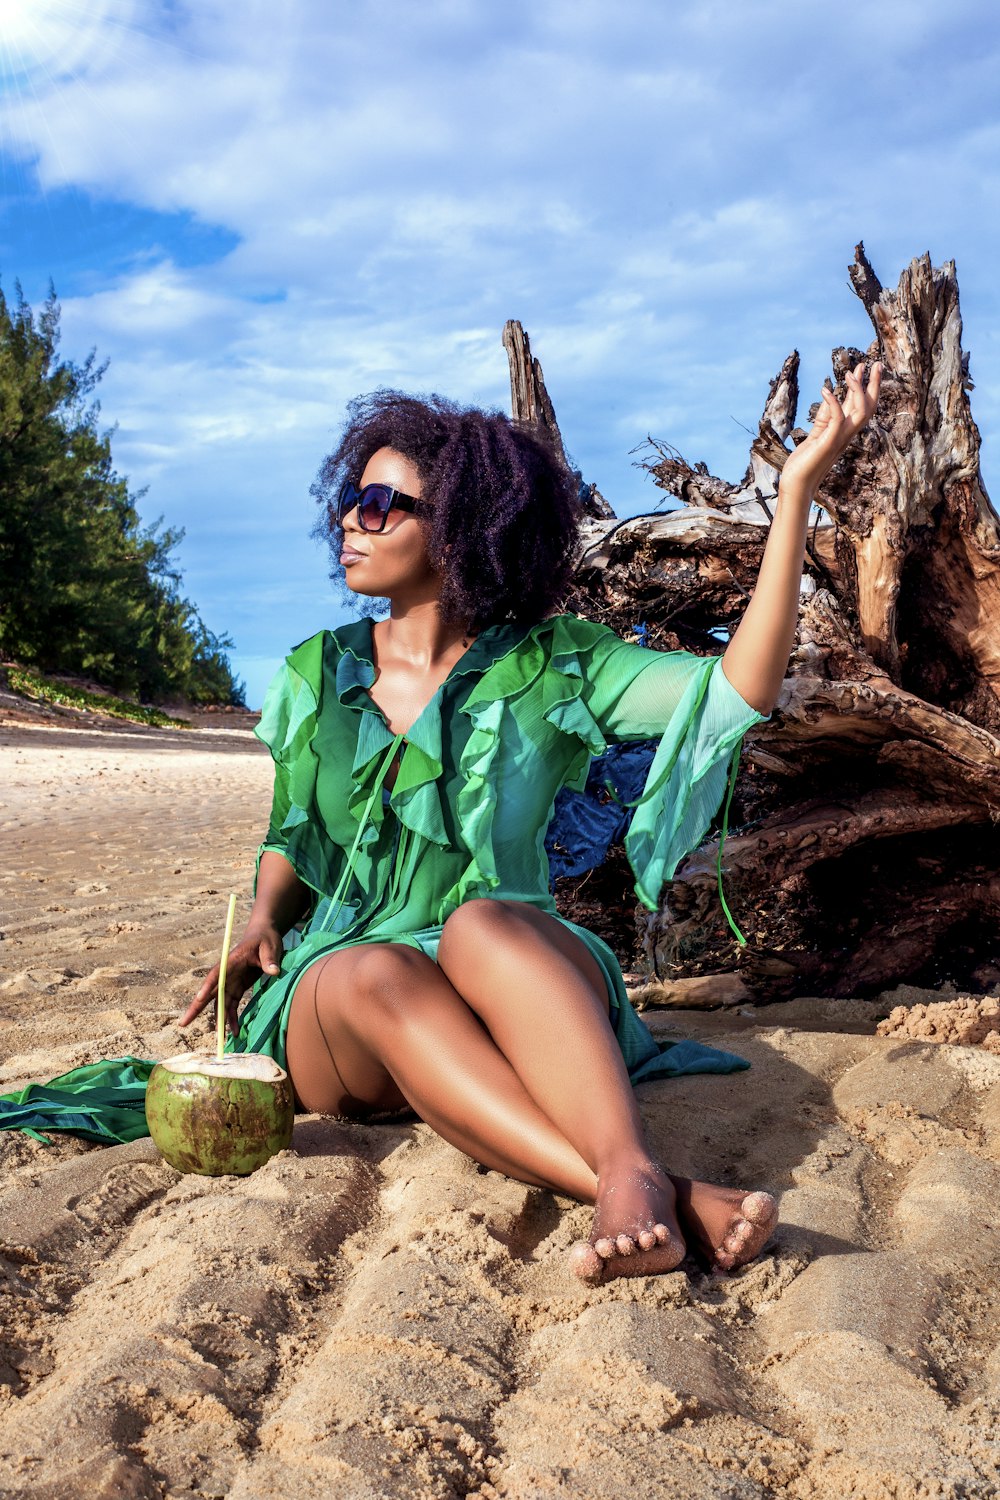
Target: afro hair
(506,508)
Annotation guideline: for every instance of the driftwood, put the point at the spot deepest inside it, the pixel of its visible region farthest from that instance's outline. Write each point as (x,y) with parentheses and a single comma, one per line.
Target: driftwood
(530,402)
(863,848)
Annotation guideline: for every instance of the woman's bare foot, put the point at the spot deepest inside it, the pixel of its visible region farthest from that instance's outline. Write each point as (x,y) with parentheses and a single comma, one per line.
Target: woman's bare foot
(727,1226)
(635,1230)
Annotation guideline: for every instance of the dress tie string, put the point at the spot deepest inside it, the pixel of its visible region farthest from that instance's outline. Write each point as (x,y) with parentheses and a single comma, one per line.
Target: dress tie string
(722,838)
(337,899)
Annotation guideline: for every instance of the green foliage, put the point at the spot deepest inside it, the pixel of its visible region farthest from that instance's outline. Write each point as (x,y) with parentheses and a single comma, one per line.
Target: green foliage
(83,586)
(46,691)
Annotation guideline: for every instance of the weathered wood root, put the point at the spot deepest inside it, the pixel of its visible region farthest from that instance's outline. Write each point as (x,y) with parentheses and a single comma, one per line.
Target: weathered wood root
(884,746)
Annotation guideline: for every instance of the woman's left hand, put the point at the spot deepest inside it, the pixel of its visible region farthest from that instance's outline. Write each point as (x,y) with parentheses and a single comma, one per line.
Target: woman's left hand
(834,429)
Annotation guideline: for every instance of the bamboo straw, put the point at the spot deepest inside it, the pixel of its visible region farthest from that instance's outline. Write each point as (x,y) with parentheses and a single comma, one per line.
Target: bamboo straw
(223,964)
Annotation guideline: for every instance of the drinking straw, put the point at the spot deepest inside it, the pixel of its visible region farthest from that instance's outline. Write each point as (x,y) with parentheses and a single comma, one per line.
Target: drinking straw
(223,962)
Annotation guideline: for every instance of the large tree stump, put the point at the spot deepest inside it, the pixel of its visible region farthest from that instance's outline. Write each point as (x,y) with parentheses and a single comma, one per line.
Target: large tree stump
(864,848)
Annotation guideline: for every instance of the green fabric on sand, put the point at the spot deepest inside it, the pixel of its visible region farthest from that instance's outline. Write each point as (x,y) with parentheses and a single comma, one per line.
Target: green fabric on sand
(519,716)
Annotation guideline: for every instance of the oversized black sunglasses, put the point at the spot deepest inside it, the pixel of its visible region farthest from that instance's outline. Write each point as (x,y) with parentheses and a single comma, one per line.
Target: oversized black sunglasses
(374,503)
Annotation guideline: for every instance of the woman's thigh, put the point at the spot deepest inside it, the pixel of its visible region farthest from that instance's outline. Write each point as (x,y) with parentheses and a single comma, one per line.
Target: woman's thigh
(496,952)
(333,1066)
(542,996)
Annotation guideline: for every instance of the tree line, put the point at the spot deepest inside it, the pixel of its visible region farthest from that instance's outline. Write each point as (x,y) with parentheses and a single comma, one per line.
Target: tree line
(84,586)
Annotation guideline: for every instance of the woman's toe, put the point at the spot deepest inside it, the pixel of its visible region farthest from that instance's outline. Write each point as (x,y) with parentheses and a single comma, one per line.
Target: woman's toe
(625,1244)
(760,1208)
(738,1237)
(647,1239)
(585,1262)
(663,1235)
(605,1247)
(758,1214)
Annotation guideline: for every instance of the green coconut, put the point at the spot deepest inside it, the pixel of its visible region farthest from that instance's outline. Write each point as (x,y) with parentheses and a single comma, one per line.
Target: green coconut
(219,1115)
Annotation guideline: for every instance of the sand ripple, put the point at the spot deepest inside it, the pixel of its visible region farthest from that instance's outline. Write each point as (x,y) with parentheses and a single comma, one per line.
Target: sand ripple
(370,1315)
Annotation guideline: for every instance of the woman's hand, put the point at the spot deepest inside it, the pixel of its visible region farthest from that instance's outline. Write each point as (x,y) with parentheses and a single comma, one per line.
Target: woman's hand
(834,429)
(756,658)
(259,951)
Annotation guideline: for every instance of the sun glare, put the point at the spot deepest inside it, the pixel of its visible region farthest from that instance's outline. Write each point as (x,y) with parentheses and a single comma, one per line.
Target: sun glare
(56,38)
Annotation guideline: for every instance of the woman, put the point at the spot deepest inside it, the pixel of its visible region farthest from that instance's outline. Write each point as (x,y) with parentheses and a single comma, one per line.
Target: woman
(416,761)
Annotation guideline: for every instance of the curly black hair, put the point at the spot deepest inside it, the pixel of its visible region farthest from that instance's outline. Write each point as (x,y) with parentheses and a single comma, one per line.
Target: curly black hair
(506,511)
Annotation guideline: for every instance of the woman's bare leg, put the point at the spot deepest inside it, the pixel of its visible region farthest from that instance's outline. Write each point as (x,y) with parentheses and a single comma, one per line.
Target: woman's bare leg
(379,1026)
(542,997)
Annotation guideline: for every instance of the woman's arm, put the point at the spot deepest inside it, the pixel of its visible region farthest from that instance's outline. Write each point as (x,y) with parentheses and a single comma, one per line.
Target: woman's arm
(281,899)
(756,658)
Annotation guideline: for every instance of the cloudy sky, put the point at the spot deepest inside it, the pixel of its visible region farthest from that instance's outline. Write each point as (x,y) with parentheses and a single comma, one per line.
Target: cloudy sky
(257,211)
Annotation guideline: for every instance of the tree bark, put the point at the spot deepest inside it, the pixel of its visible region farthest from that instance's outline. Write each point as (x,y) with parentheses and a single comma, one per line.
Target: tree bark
(530,402)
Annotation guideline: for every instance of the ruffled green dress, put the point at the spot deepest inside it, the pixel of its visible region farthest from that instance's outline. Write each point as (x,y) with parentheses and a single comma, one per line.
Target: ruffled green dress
(518,718)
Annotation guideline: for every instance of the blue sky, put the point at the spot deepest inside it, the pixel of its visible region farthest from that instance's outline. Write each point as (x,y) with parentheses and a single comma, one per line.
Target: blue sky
(257,211)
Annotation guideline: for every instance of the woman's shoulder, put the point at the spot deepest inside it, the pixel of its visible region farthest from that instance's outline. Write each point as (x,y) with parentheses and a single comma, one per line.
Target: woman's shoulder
(308,656)
(571,629)
(552,657)
(567,643)
(355,636)
(300,691)
(525,652)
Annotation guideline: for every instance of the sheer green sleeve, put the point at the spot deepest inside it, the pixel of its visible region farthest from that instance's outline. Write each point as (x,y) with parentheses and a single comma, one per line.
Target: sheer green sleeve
(288,726)
(689,704)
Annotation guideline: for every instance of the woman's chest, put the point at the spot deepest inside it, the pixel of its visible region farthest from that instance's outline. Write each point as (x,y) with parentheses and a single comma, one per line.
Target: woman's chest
(417,704)
(448,755)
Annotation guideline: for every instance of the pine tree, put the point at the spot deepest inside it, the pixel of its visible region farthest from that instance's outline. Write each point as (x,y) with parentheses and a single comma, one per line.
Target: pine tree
(83,586)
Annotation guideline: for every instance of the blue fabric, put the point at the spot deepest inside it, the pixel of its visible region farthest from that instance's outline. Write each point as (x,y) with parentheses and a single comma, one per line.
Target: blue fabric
(586,823)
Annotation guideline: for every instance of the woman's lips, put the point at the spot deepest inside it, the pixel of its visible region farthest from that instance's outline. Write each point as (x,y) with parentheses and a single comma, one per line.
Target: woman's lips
(349,555)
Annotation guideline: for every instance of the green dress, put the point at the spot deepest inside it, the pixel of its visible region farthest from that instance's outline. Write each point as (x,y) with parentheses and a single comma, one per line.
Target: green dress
(518,717)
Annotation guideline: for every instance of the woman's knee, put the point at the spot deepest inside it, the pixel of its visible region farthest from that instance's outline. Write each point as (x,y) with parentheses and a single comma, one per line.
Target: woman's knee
(483,919)
(375,979)
(487,927)
(487,938)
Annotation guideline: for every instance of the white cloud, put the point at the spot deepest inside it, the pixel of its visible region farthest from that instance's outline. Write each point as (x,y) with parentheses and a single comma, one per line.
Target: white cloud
(667,197)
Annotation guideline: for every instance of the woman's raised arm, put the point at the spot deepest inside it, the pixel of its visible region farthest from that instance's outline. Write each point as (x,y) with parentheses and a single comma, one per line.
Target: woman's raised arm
(756,658)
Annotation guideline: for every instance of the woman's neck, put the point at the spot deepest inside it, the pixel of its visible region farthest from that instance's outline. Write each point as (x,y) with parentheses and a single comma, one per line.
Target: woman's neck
(417,635)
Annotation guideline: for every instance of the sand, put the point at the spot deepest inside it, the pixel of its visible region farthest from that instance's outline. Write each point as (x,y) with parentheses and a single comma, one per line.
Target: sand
(372,1315)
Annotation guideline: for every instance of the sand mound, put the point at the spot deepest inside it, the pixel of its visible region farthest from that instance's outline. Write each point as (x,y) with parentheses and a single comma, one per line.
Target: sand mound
(968,1021)
(370,1315)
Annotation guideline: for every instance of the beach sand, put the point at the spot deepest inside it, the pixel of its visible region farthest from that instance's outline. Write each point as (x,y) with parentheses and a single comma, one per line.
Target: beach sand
(371,1314)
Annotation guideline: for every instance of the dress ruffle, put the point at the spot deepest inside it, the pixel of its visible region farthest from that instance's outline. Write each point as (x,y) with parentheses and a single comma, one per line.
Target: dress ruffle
(415,797)
(550,651)
(287,727)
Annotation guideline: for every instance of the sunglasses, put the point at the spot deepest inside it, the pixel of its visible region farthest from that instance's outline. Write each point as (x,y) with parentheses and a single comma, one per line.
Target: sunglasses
(374,502)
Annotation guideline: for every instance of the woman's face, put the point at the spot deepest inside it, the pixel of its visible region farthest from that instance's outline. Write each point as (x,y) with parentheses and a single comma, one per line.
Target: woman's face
(390,564)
